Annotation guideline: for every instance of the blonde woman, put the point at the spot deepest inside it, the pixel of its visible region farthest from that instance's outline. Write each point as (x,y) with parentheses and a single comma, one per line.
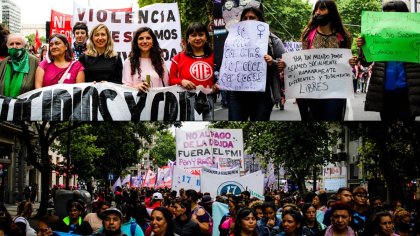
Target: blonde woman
(100,60)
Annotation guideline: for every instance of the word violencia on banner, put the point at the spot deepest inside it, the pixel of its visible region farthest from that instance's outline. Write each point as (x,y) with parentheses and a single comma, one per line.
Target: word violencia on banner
(106,102)
(162,18)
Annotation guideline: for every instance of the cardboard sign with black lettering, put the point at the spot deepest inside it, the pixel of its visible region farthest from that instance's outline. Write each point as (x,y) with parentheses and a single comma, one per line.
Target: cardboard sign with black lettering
(318,73)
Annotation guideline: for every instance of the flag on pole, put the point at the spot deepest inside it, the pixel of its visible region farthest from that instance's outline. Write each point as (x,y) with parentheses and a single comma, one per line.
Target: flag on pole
(37,41)
(116,184)
(150,179)
(126,180)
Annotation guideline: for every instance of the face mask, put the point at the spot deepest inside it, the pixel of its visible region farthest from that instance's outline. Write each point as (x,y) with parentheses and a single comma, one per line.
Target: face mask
(16,53)
(322,20)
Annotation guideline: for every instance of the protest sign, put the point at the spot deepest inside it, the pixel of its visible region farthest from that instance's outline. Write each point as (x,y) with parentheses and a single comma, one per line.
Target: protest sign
(193,150)
(61,24)
(162,18)
(292,46)
(391,36)
(102,101)
(318,73)
(185,180)
(243,66)
(209,147)
(227,148)
(164,178)
(234,171)
(219,184)
(149,179)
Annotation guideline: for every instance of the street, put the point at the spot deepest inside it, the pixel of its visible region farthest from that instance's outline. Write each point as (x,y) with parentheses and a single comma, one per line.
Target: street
(354,112)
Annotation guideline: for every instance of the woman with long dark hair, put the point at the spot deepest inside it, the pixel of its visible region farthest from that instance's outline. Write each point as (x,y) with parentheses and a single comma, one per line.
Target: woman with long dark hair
(183,225)
(161,222)
(145,59)
(310,224)
(245,223)
(195,67)
(257,106)
(324,30)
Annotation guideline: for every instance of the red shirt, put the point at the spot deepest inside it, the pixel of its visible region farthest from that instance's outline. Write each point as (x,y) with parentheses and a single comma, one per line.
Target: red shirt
(198,70)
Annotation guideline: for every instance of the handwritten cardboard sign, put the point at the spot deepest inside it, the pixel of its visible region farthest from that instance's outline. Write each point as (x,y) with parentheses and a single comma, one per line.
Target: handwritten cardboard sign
(391,36)
(318,73)
(243,66)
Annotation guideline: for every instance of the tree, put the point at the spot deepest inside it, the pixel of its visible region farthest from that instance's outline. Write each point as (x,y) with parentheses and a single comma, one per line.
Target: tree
(189,10)
(391,151)
(45,134)
(287,19)
(351,12)
(121,142)
(82,151)
(164,148)
(31,39)
(297,146)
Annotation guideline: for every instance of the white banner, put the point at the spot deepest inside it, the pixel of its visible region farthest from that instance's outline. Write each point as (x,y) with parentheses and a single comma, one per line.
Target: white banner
(318,73)
(185,180)
(209,147)
(162,18)
(218,184)
(243,66)
(193,150)
(231,172)
(227,148)
(103,101)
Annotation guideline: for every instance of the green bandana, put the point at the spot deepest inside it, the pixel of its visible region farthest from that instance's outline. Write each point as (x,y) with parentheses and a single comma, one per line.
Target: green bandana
(12,82)
(20,59)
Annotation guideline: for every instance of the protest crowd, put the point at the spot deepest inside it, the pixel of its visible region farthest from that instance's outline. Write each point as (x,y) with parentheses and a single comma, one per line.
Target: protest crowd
(249,87)
(147,211)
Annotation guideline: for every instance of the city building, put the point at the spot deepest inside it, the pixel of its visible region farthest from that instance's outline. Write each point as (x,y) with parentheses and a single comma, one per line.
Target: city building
(28,29)
(15,173)
(10,15)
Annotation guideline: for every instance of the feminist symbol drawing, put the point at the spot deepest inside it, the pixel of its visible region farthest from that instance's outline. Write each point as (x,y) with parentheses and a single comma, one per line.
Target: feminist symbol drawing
(415,45)
(261,28)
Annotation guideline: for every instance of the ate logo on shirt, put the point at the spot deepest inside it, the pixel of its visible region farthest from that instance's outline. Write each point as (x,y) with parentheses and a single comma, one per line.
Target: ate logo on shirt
(201,71)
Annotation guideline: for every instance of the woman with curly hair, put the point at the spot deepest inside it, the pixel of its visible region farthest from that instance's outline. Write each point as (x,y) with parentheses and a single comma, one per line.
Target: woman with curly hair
(145,59)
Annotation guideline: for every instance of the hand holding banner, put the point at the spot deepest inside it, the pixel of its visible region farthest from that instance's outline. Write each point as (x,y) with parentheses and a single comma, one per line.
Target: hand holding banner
(243,66)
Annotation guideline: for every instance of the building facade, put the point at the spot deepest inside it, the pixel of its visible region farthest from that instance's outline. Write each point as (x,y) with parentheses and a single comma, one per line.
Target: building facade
(11,15)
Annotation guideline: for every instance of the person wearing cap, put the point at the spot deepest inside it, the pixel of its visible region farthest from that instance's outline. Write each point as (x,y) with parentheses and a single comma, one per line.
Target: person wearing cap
(112,221)
(157,200)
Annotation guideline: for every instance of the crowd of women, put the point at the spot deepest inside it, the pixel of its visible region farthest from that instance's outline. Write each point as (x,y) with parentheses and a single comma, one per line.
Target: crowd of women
(188,213)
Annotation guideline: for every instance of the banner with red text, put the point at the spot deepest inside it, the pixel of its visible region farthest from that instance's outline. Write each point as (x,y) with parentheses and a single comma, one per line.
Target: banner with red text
(61,24)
